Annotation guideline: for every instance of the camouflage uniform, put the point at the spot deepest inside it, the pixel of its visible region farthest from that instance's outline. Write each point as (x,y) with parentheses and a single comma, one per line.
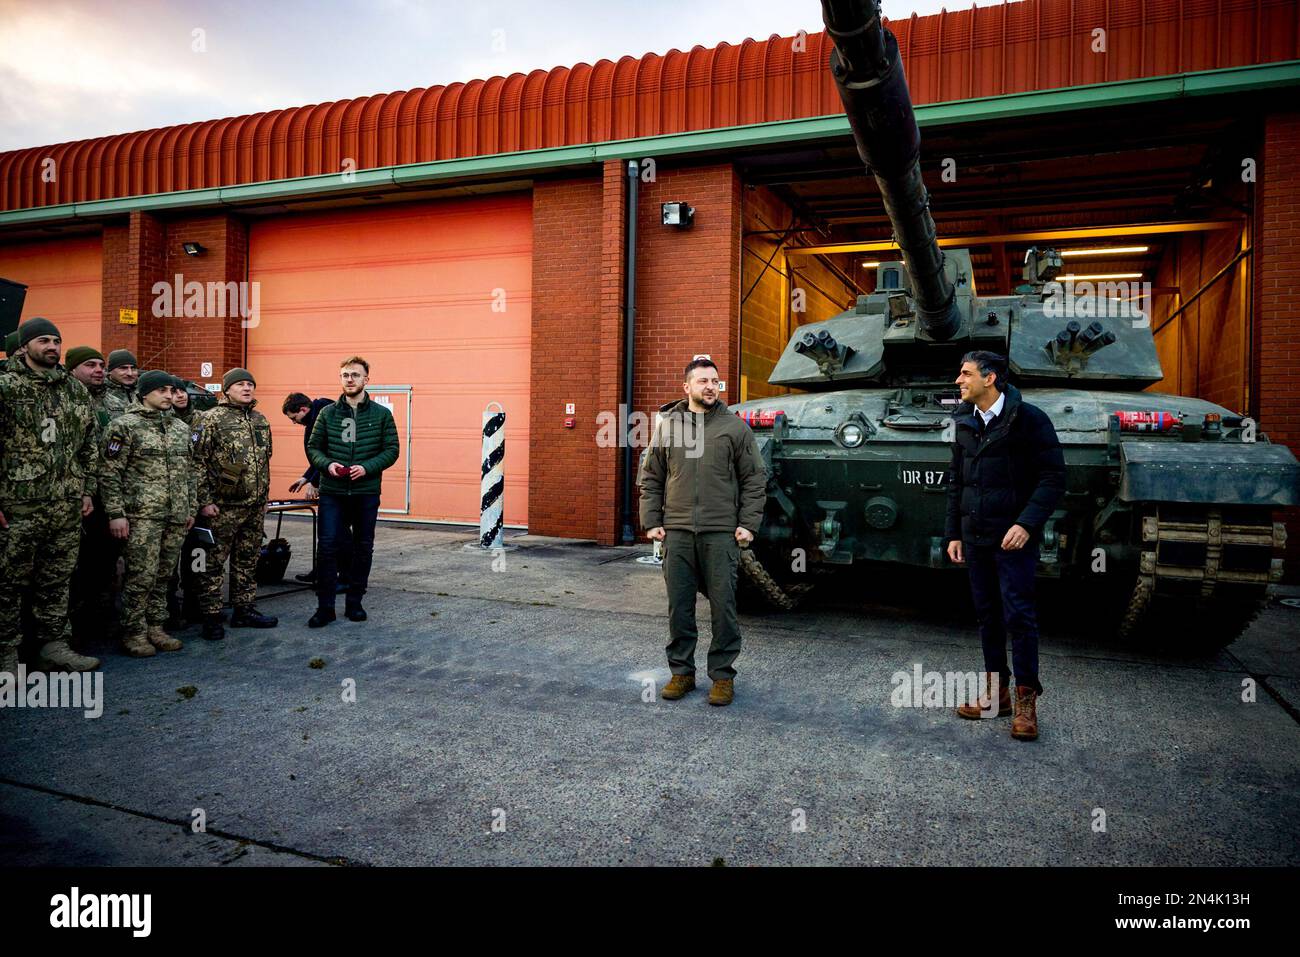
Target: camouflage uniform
(117,398)
(232,451)
(47,463)
(148,478)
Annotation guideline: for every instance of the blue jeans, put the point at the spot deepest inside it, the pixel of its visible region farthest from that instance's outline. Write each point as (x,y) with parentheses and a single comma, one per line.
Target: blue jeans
(339,516)
(1002,589)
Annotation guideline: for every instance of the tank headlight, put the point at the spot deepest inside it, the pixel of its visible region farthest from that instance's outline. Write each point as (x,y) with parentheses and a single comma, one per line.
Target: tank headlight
(851,435)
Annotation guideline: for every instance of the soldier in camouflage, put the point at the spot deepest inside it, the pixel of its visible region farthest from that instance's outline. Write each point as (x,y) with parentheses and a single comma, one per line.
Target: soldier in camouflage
(91,597)
(119,394)
(12,350)
(47,478)
(233,458)
(148,485)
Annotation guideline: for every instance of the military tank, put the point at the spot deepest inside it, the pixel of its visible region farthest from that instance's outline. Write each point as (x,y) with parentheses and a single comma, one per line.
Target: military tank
(1168,515)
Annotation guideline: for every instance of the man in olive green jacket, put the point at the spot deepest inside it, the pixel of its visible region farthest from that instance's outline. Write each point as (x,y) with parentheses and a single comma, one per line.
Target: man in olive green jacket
(352,442)
(703,489)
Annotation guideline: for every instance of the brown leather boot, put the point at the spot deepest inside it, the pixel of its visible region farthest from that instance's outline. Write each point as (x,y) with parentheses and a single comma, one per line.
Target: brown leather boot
(137,646)
(1024,726)
(159,638)
(722,692)
(980,707)
(677,687)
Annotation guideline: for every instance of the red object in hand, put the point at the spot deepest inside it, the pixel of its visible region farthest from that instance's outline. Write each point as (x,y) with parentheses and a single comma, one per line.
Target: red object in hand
(336,470)
(1148,421)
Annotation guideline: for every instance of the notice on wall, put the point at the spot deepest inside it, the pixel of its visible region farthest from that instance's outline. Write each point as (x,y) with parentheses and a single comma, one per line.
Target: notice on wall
(128,317)
(384,400)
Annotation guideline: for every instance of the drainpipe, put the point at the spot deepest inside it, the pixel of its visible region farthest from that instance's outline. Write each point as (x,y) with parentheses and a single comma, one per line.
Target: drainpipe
(629,329)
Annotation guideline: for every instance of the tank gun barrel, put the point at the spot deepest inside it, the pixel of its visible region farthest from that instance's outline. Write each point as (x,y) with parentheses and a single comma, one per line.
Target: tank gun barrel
(868,72)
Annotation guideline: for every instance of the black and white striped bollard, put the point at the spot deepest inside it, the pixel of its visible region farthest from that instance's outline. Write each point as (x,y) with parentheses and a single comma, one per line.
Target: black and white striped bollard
(493,482)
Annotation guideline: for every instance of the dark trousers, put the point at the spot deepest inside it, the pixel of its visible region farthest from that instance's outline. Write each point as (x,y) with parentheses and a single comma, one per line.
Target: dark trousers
(1002,588)
(91,598)
(341,517)
(704,562)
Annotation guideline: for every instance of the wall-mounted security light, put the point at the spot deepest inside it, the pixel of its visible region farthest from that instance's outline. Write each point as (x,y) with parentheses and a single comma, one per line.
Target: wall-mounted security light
(680,215)
(194,249)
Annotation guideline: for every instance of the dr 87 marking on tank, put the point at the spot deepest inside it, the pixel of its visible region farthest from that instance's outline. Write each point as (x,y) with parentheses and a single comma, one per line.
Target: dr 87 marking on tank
(923,476)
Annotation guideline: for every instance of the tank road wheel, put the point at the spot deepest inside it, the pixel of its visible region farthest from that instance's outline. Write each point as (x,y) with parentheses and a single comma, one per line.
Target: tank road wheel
(757,592)
(1202,579)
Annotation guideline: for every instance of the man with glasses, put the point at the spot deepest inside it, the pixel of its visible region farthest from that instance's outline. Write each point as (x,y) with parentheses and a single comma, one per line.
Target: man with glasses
(352,442)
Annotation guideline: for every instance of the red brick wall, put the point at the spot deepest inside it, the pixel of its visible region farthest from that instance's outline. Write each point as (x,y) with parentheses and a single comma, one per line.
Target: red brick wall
(688,280)
(687,303)
(219,340)
(566,358)
(146,250)
(1277,271)
(133,259)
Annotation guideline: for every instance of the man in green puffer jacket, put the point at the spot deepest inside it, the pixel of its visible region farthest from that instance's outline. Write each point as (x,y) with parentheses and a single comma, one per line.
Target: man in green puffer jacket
(352,442)
(703,490)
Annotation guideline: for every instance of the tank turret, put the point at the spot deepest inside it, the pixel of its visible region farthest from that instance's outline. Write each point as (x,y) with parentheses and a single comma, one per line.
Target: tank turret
(925,313)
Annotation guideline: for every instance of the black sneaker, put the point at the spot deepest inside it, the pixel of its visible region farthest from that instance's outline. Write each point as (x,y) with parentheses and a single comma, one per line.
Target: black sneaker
(322,618)
(307,579)
(248,616)
(212,627)
(355,612)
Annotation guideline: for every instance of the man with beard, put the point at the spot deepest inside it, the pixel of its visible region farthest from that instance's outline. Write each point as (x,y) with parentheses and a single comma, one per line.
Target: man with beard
(703,490)
(47,472)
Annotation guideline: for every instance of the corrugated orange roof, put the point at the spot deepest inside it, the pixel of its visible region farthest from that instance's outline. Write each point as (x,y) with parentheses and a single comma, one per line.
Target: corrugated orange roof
(964,54)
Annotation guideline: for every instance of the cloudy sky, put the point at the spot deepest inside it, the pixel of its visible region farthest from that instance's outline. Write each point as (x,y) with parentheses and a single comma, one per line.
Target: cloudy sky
(73,69)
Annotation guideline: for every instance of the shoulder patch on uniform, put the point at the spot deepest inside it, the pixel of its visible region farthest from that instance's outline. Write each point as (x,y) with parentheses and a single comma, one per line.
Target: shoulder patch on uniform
(195,435)
(114,447)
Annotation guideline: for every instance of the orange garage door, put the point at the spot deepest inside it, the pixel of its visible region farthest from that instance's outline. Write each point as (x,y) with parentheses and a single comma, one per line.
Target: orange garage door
(436,296)
(63,279)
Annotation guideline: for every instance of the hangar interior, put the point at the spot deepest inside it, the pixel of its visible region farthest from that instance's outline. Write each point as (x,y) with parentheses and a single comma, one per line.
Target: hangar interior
(1147,192)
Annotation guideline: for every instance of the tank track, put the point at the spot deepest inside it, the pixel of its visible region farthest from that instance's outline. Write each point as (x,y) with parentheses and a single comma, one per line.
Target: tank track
(773,595)
(1202,607)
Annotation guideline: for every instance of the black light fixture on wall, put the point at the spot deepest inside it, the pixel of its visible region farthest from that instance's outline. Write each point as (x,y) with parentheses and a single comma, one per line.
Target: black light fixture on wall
(194,249)
(680,215)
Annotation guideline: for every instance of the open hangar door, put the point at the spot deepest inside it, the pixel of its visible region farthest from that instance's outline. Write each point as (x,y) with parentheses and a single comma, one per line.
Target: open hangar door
(436,296)
(64,279)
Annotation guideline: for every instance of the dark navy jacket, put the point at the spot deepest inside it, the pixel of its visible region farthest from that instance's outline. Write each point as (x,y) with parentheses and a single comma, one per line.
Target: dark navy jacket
(312,475)
(1012,475)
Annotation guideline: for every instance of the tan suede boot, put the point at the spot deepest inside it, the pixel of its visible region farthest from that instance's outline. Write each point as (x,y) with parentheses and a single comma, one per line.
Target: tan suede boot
(137,646)
(58,655)
(980,707)
(677,687)
(722,692)
(1024,726)
(159,638)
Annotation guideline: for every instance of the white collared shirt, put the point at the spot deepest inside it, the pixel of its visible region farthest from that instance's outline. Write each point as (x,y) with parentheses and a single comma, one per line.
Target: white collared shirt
(994,409)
